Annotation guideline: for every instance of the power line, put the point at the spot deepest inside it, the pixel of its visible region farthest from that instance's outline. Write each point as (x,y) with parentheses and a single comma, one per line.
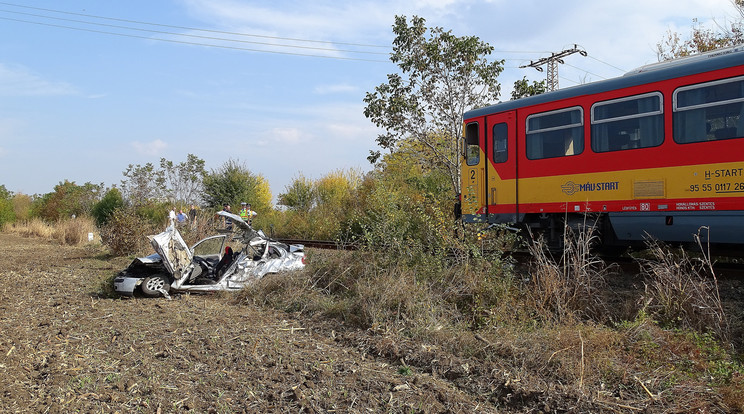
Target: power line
(210,38)
(193,28)
(584,70)
(214,31)
(189,35)
(191,43)
(533,52)
(608,64)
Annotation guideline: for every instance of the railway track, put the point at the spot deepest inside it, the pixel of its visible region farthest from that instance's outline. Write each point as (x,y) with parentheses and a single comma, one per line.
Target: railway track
(319,244)
(723,267)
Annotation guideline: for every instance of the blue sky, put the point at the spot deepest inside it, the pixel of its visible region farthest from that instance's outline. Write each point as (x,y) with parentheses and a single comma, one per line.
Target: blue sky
(80,103)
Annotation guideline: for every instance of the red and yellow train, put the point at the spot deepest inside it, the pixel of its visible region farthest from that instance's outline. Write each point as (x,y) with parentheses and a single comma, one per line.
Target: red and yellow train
(659,151)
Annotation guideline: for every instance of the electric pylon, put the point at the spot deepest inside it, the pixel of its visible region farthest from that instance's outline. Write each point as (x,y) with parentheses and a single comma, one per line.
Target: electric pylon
(552,62)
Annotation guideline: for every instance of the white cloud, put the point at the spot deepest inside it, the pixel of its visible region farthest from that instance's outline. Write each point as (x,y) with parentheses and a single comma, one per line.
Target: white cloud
(316,20)
(19,81)
(151,148)
(332,89)
(284,136)
(347,131)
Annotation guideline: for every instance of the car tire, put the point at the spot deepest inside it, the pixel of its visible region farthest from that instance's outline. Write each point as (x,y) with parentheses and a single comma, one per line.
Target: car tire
(151,285)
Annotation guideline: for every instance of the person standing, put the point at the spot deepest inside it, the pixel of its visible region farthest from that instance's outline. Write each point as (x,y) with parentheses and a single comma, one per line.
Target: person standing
(172,215)
(246,213)
(228,221)
(181,216)
(192,216)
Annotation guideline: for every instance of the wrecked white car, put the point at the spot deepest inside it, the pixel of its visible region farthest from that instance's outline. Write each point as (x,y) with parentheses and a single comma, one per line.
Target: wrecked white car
(212,264)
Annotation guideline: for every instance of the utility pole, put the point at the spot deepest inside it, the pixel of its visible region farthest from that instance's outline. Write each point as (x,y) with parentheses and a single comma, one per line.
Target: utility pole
(552,61)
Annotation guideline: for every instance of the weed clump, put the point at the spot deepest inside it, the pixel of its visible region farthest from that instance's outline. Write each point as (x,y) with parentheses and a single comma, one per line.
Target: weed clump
(572,287)
(126,233)
(682,292)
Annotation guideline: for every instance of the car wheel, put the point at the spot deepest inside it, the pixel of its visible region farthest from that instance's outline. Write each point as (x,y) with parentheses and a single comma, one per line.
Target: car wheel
(152,284)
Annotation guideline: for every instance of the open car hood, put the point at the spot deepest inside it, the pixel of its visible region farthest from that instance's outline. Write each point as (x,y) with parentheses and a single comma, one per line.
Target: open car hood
(173,250)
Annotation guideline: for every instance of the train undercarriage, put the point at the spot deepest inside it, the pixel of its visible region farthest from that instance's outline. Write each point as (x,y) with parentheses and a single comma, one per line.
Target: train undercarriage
(613,234)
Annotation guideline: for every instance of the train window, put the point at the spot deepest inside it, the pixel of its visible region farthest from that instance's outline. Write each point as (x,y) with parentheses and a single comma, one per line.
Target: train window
(555,134)
(499,143)
(472,144)
(709,111)
(628,123)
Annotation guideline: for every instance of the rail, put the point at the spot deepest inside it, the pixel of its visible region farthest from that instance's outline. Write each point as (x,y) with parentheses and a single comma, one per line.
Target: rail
(320,244)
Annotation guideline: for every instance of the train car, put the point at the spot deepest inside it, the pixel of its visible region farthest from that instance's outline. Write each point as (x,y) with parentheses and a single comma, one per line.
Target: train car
(657,152)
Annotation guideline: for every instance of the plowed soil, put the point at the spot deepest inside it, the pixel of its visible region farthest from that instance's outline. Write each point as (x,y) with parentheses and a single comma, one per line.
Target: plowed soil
(67,347)
(64,347)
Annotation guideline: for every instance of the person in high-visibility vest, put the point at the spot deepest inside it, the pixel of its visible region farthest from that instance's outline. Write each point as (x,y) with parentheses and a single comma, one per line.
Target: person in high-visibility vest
(246,213)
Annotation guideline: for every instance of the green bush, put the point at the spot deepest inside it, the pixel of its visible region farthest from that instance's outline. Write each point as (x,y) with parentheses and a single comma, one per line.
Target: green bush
(7,214)
(155,213)
(126,233)
(104,209)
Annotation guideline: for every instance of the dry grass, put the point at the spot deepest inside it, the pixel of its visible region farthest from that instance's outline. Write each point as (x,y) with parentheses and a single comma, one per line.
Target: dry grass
(682,291)
(572,287)
(349,286)
(71,232)
(554,328)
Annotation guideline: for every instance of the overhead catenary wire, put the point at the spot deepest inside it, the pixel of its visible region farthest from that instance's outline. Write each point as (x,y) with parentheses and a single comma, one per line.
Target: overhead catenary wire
(584,70)
(194,43)
(608,64)
(192,28)
(186,34)
(211,39)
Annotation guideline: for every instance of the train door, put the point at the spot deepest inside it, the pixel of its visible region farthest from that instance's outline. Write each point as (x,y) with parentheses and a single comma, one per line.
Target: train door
(473,174)
(501,188)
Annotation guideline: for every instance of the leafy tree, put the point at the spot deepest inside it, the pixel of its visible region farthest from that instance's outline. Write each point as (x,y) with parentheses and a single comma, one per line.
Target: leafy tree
(172,183)
(7,214)
(184,180)
(234,183)
(334,189)
(523,88)
(4,193)
(703,39)
(440,78)
(22,206)
(104,209)
(404,206)
(318,209)
(68,199)
(142,183)
(299,195)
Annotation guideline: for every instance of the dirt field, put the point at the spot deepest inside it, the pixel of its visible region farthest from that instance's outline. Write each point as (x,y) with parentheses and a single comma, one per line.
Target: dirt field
(64,348)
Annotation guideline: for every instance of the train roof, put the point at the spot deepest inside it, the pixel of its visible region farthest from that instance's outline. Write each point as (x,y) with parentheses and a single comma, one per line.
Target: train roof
(690,65)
